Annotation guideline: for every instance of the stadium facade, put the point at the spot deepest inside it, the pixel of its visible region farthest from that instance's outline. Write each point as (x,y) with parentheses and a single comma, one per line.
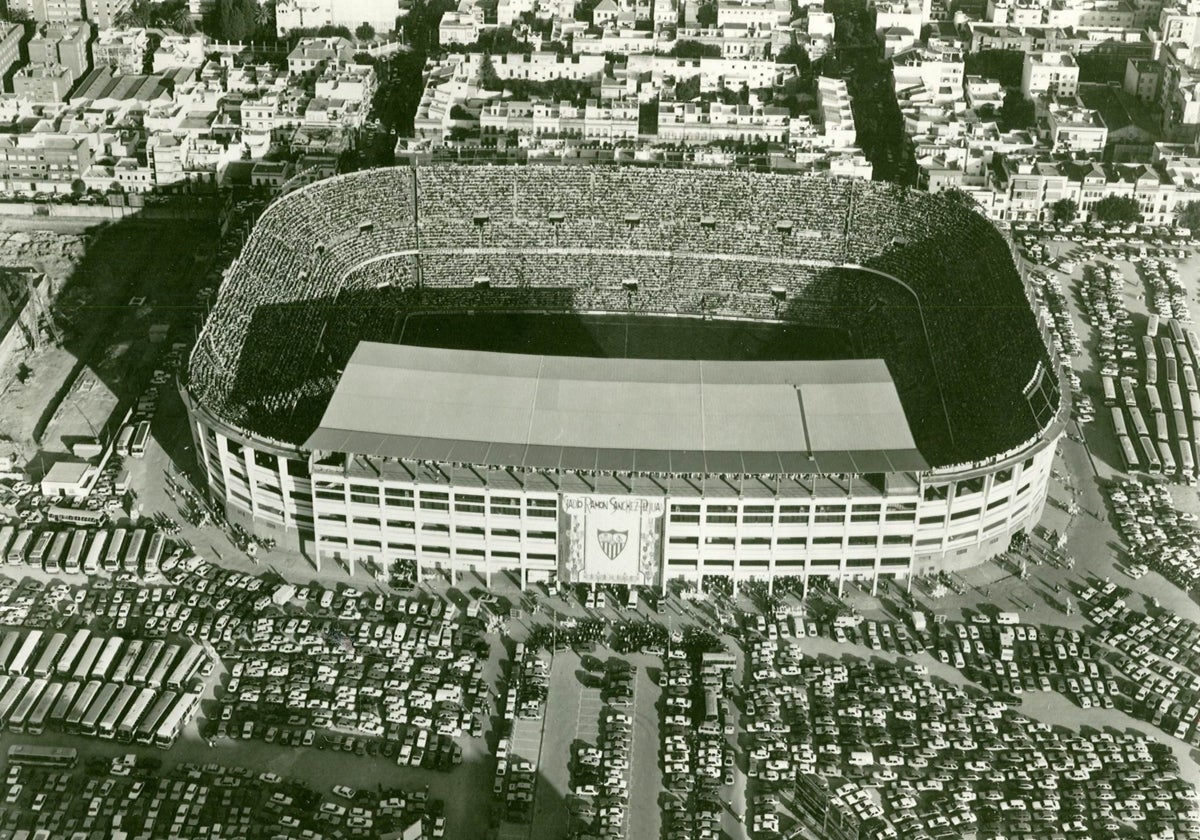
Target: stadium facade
(926,452)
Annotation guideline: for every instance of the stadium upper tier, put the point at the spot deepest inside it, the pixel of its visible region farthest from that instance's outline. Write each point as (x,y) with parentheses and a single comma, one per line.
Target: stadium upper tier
(342,261)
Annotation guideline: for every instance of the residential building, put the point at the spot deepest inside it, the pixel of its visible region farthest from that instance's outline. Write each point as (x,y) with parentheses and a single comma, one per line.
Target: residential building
(1049,73)
(43,84)
(11,36)
(62,43)
(122,49)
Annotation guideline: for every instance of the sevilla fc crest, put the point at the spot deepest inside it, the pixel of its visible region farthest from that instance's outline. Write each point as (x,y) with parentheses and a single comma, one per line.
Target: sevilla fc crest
(612,543)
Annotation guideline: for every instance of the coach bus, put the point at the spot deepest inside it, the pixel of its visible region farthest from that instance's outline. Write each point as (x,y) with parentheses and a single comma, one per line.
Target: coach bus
(72,652)
(88,658)
(1181,427)
(128,661)
(1151,372)
(19,547)
(12,694)
(7,533)
(20,714)
(1168,347)
(25,653)
(1139,422)
(148,728)
(116,712)
(1129,452)
(1110,390)
(112,559)
(83,702)
(1153,465)
(189,663)
(141,436)
(1187,467)
(38,554)
(1148,348)
(7,645)
(54,556)
(76,516)
(1160,425)
(54,647)
(154,553)
(124,438)
(95,553)
(1118,417)
(1127,392)
(1168,458)
(1189,378)
(104,662)
(91,718)
(64,704)
(1176,396)
(1152,396)
(177,718)
(133,553)
(37,720)
(158,677)
(27,755)
(1152,327)
(129,723)
(72,564)
(149,656)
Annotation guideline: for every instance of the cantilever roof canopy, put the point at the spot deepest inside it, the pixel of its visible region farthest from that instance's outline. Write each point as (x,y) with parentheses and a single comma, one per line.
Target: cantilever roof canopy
(648,415)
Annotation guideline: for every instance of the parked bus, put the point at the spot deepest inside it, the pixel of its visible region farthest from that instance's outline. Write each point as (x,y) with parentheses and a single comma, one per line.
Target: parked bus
(7,645)
(141,436)
(76,516)
(129,723)
(1168,347)
(112,560)
(147,729)
(71,565)
(176,719)
(127,661)
(38,554)
(154,553)
(1139,422)
(158,677)
(1160,425)
(1154,399)
(37,720)
(88,658)
(21,661)
(12,694)
(1168,458)
(1127,450)
(27,755)
(72,652)
(189,663)
(82,702)
(1127,392)
(1118,417)
(133,553)
(1181,427)
(1175,395)
(145,665)
(19,548)
(1110,390)
(95,553)
(1187,466)
(64,704)
(24,707)
(1153,465)
(1152,327)
(7,534)
(1151,372)
(116,712)
(124,438)
(54,557)
(1189,379)
(91,718)
(104,662)
(54,647)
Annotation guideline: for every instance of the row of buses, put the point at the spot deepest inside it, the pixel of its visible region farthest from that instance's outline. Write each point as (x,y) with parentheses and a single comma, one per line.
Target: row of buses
(1169,447)
(105,710)
(80,656)
(85,551)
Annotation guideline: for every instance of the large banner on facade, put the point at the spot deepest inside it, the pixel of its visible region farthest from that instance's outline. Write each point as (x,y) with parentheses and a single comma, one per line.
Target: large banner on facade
(610,539)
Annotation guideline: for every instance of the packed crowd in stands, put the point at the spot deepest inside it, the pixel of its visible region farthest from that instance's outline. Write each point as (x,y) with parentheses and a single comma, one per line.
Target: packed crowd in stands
(341,261)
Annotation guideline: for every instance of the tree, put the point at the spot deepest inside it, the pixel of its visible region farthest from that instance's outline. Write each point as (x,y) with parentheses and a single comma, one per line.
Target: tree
(489,79)
(1064,211)
(234,20)
(695,49)
(365,31)
(1188,215)
(706,15)
(797,55)
(1117,208)
(1017,112)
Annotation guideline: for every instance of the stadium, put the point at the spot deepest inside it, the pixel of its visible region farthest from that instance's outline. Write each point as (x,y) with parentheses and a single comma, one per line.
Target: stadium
(626,375)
